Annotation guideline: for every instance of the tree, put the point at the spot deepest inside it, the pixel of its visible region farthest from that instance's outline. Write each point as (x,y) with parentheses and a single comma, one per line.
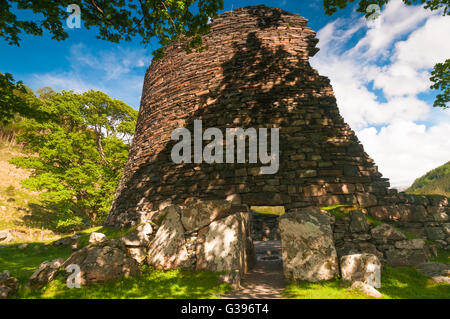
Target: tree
(77,154)
(116,20)
(441,78)
(11,99)
(441,71)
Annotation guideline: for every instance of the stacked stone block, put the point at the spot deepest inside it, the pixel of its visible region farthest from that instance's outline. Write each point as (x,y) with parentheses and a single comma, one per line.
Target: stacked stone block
(254,74)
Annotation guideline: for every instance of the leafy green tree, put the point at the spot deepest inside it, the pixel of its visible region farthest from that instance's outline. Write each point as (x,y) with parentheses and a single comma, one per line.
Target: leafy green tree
(116,20)
(440,73)
(11,98)
(77,153)
(441,78)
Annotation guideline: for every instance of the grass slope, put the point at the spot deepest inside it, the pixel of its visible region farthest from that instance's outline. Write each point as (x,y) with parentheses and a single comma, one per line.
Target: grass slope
(436,181)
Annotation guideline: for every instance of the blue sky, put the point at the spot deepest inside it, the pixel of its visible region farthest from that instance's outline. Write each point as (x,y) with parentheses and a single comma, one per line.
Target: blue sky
(379,71)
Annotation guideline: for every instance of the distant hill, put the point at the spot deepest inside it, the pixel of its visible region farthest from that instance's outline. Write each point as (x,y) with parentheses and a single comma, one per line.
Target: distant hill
(436,181)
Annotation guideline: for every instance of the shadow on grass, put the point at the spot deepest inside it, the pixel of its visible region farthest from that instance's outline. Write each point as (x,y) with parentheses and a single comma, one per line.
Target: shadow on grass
(408,283)
(21,263)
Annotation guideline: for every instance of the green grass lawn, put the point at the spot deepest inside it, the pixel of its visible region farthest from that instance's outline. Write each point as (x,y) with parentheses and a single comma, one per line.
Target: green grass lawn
(396,283)
(150,284)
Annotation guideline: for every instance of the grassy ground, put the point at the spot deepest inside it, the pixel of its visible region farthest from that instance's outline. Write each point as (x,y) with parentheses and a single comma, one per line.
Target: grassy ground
(150,284)
(396,283)
(20,208)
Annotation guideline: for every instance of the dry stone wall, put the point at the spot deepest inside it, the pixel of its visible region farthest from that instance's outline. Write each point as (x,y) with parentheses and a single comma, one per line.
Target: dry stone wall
(254,74)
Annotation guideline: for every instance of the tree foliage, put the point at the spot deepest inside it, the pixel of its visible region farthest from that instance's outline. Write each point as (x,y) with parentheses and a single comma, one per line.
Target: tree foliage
(436,181)
(77,152)
(440,76)
(115,20)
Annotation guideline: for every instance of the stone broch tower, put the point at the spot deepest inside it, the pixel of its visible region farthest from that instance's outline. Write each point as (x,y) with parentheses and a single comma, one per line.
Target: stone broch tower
(254,73)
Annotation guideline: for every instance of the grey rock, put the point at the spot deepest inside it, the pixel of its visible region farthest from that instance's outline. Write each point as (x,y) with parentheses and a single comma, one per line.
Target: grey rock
(361,267)
(410,244)
(168,248)
(102,262)
(358,222)
(439,272)
(97,238)
(405,257)
(367,289)
(385,232)
(308,250)
(45,273)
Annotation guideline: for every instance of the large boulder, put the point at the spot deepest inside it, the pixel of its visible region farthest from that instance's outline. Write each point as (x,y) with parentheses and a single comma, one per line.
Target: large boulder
(140,237)
(45,273)
(103,262)
(168,248)
(439,272)
(307,245)
(8,285)
(225,245)
(198,214)
(217,242)
(361,267)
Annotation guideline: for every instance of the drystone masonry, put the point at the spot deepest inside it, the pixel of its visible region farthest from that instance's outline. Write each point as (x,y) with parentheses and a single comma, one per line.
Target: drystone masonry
(254,73)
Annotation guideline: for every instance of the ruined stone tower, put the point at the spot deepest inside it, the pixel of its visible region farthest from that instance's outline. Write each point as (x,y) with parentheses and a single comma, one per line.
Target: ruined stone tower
(254,74)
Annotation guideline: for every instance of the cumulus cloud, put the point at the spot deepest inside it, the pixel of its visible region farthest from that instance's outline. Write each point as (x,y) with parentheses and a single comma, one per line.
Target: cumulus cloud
(118,72)
(380,83)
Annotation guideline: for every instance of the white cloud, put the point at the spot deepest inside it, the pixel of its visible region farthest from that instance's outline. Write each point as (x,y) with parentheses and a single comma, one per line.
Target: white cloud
(118,72)
(377,82)
(406,150)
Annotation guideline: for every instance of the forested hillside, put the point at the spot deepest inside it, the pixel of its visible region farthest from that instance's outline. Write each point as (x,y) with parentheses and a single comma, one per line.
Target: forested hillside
(436,181)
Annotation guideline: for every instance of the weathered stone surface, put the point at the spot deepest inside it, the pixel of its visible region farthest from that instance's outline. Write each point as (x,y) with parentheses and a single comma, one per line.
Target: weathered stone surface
(439,214)
(361,267)
(202,213)
(102,262)
(358,222)
(439,272)
(320,160)
(168,248)
(97,238)
(307,245)
(435,233)
(140,237)
(225,245)
(65,241)
(366,199)
(8,285)
(410,244)
(386,232)
(45,273)
(367,289)
(138,253)
(405,257)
